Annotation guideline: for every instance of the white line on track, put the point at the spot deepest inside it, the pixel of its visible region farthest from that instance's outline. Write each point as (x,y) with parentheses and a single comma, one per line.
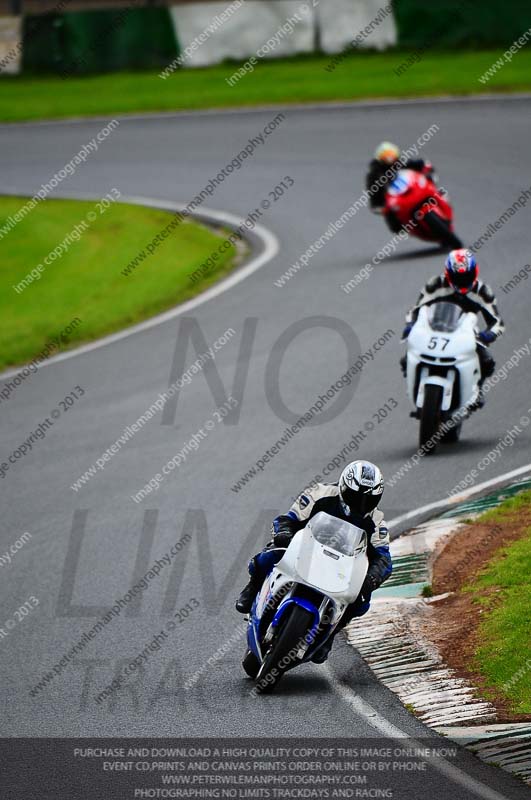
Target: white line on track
(381,102)
(386,728)
(462,497)
(270,249)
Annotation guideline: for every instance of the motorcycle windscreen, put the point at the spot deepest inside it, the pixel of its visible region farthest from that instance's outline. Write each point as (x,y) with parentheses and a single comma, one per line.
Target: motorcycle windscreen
(444,317)
(401,183)
(330,555)
(336,534)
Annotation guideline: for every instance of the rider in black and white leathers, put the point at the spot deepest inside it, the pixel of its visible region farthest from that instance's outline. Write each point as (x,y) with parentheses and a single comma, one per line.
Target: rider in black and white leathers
(479,300)
(326,497)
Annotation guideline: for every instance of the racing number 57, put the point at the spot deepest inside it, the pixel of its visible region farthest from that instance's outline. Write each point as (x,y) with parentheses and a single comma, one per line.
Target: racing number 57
(434,342)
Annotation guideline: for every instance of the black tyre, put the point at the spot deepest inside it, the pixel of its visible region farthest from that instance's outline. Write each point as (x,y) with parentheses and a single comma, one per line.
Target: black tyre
(296,625)
(251,664)
(430,416)
(441,231)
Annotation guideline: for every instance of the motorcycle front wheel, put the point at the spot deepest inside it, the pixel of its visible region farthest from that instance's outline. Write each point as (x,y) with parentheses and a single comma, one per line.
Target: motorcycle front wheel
(296,625)
(430,417)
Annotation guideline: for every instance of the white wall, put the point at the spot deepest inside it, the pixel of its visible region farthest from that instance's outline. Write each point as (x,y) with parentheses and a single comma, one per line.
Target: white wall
(10,45)
(246,31)
(340,21)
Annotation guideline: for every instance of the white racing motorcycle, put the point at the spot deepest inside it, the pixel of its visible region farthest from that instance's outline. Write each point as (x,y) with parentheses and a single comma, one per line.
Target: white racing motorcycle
(304,597)
(443,371)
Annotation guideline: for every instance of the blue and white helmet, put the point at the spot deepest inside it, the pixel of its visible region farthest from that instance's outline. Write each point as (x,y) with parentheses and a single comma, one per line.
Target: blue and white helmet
(361,487)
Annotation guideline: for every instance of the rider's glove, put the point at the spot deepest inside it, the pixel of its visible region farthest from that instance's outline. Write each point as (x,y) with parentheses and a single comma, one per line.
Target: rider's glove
(406,331)
(486,337)
(281,539)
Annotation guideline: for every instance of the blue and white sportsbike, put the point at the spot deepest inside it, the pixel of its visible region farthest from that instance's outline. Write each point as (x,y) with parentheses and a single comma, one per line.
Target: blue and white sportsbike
(304,597)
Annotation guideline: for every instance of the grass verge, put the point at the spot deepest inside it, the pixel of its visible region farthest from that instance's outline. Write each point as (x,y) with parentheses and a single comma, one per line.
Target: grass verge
(302,79)
(85,281)
(503,590)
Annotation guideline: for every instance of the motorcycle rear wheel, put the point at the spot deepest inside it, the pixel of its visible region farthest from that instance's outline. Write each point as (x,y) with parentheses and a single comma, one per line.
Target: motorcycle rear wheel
(440,230)
(295,626)
(430,416)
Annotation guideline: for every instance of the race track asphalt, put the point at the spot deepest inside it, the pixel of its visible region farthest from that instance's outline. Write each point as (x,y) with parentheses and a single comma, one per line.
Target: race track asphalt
(481,152)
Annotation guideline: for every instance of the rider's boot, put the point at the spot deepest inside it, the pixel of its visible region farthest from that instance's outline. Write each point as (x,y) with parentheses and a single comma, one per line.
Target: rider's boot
(245,601)
(487,366)
(320,656)
(479,402)
(355,610)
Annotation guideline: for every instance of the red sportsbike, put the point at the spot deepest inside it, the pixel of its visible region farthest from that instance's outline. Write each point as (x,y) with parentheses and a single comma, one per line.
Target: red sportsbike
(415,201)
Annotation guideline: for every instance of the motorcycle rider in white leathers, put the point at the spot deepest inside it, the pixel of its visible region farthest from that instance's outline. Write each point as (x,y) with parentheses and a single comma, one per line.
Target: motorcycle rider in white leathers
(355,499)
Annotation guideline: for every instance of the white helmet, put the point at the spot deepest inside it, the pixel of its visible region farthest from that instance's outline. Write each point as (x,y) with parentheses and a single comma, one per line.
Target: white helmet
(361,487)
(387,153)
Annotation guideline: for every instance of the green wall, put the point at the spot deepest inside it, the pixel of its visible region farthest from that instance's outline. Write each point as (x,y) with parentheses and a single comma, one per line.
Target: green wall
(98,41)
(454,23)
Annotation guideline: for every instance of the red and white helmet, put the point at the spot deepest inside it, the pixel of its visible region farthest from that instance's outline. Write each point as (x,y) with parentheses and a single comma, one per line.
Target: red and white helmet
(462,270)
